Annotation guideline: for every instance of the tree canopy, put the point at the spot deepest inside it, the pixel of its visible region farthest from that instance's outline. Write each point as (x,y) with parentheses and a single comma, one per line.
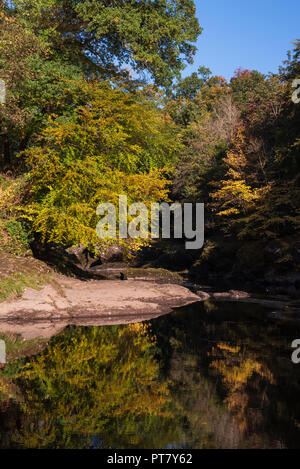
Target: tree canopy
(153,36)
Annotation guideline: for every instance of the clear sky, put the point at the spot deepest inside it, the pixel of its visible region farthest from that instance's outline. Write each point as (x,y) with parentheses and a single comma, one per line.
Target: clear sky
(253,34)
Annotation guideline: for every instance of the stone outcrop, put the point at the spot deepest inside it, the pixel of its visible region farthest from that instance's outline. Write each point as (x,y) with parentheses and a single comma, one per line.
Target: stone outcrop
(74,301)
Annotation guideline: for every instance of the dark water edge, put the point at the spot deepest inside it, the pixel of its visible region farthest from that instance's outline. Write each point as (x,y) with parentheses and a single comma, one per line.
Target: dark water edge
(210,375)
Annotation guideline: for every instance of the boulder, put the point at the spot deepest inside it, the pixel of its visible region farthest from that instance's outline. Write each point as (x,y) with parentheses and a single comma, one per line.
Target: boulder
(77,259)
(204,296)
(113,253)
(80,256)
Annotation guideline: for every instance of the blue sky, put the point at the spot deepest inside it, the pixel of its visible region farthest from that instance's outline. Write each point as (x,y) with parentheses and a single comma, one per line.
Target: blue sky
(253,34)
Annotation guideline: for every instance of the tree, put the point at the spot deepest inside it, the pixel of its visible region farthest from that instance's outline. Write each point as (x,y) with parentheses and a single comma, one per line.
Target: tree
(117,143)
(152,36)
(189,86)
(37,83)
(44,45)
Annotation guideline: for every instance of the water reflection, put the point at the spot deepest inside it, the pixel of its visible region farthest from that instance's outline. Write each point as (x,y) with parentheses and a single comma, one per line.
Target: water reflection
(207,376)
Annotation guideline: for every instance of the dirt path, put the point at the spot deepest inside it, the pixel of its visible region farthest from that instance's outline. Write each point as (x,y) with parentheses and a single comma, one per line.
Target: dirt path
(70,301)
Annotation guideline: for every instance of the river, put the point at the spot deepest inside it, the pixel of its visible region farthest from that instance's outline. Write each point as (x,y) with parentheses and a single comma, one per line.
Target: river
(217,374)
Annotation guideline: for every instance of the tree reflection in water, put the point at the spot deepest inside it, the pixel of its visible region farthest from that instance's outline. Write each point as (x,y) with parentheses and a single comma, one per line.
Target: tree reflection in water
(206,376)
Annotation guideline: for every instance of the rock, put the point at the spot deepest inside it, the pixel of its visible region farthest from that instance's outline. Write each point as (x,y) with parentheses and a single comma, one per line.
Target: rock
(88,262)
(75,301)
(231,294)
(221,295)
(109,271)
(78,259)
(70,259)
(81,256)
(155,275)
(239,294)
(111,254)
(204,296)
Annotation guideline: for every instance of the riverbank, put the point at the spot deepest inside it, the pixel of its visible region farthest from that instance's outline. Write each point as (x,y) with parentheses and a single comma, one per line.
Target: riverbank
(41,302)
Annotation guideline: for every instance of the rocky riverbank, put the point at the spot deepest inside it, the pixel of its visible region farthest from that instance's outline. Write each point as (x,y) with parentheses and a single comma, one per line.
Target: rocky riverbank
(258,265)
(64,300)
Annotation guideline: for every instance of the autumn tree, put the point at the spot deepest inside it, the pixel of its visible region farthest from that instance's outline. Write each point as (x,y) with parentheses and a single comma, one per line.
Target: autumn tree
(118,143)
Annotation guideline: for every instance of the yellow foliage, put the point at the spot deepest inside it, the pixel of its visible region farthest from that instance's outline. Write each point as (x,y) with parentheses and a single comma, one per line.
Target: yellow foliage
(118,144)
(234,197)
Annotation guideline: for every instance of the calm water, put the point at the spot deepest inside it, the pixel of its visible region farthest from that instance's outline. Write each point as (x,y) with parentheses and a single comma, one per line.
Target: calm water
(213,375)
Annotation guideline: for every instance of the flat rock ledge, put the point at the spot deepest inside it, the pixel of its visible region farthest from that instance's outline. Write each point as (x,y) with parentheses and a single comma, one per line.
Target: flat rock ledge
(73,301)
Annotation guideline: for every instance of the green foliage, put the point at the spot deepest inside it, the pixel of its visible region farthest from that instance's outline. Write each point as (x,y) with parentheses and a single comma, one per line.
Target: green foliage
(14,237)
(189,86)
(18,241)
(47,48)
(38,84)
(152,36)
(194,96)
